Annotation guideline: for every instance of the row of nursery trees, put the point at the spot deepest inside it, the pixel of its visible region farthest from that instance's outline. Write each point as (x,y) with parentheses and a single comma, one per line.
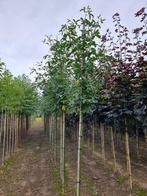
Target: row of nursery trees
(89,79)
(18,100)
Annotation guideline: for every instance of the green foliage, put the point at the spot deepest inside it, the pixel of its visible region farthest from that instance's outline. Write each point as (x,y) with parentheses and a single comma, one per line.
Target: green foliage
(71,69)
(17,94)
(2,65)
(29,98)
(82,37)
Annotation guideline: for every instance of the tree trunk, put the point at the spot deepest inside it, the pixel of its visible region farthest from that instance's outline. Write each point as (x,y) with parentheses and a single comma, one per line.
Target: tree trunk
(137,142)
(7,136)
(55,138)
(10,134)
(145,134)
(1,126)
(113,148)
(19,130)
(13,133)
(63,153)
(93,136)
(88,142)
(4,140)
(50,129)
(102,143)
(58,140)
(21,127)
(44,119)
(61,136)
(52,132)
(15,125)
(80,137)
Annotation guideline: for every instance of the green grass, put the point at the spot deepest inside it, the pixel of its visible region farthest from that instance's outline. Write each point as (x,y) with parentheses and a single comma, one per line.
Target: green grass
(38,118)
(141,193)
(10,194)
(89,184)
(7,167)
(57,183)
(121,179)
(35,118)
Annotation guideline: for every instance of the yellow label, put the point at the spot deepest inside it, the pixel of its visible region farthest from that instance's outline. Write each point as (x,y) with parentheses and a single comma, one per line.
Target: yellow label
(77,82)
(63,108)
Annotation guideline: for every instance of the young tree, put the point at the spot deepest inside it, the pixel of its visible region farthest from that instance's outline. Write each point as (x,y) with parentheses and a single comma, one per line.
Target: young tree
(82,37)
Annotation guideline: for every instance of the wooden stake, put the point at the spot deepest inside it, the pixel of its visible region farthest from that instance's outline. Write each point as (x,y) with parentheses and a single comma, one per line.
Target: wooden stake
(128,158)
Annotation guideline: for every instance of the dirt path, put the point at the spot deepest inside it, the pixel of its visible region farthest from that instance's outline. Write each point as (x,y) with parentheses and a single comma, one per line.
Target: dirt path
(28,172)
(33,172)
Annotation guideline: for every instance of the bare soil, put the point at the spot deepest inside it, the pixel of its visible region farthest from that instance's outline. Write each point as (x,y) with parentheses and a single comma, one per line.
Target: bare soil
(32,171)
(28,172)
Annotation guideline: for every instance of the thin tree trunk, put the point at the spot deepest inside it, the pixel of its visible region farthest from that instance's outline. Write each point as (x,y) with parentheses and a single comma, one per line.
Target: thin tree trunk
(15,125)
(10,134)
(56,139)
(45,130)
(80,138)
(93,136)
(50,129)
(4,140)
(53,131)
(63,153)
(102,143)
(1,133)
(13,134)
(145,134)
(137,142)
(61,136)
(113,148)
(19,129)
(26,131)
(88,142)
(7,137)
(1,125)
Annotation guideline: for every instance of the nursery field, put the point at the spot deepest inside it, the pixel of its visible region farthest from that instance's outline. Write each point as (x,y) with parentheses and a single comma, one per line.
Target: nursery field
(80,127)
(33,170)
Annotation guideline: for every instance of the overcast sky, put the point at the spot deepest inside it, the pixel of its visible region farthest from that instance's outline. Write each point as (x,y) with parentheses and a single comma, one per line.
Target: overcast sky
(24,23)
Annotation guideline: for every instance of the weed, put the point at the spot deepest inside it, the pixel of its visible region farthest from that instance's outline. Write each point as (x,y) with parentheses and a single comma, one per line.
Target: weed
(121,179)
(141,193)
